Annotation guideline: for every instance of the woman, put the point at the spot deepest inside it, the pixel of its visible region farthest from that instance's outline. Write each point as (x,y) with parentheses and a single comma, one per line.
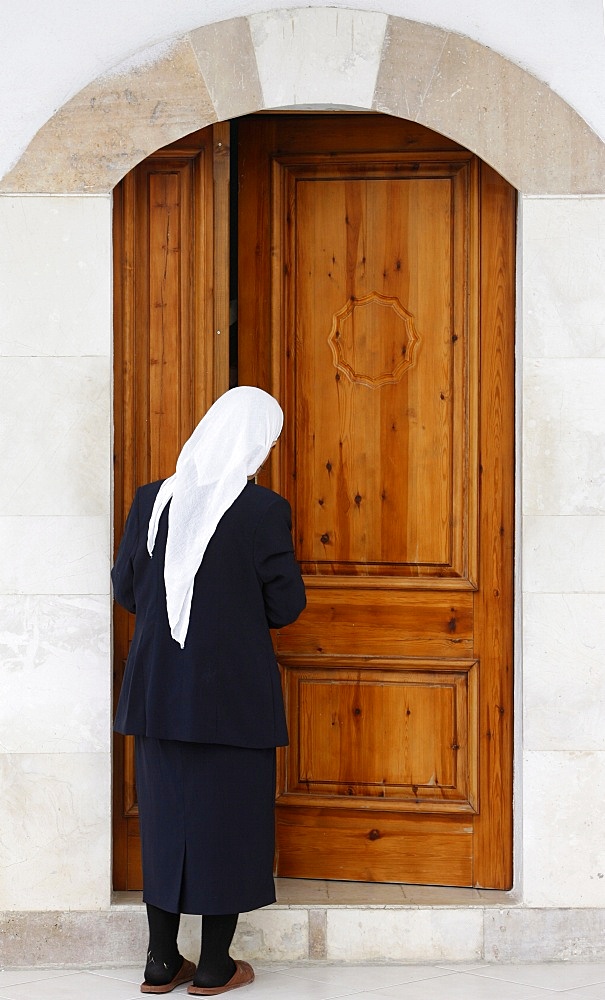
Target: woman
(207,564)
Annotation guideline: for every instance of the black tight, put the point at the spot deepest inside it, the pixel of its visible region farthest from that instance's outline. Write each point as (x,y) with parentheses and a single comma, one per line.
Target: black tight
(216,966)
(164,960)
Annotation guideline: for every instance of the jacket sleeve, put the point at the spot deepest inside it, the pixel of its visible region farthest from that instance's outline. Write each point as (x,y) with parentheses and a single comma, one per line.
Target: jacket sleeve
(276,565)
(122,574)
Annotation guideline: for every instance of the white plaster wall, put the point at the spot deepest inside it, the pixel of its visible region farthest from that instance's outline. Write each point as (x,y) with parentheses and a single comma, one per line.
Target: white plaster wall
(54,534)
(55,438)
(55,442)
(51,50)
(563,547)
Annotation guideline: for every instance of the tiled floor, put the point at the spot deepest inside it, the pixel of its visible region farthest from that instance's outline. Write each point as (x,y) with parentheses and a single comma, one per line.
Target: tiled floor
(320,892)
(322,982)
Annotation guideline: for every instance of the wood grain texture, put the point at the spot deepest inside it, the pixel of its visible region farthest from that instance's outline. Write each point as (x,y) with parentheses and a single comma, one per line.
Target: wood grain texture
(343,719)
(360,253)
(494,601)
(384,482)
(353,846)
(376,301)
(166,368)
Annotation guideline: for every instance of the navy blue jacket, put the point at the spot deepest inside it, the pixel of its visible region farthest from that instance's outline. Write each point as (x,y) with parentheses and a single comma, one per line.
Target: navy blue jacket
(224,686)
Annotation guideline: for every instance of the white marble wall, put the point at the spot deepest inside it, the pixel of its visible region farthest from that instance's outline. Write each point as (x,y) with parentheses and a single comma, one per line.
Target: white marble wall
(55,507)
(55,497)
(563,551)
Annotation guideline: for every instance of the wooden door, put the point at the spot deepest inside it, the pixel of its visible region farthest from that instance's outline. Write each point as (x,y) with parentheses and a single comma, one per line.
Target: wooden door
(376,301)
(171,356)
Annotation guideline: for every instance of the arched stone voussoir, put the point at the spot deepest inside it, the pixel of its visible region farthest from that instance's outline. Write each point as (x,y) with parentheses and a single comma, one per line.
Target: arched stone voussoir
(445,81)
(114,123)
(470,93)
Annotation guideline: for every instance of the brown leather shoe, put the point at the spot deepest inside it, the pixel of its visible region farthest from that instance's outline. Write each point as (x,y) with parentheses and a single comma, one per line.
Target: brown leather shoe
(184,975)
(243,975)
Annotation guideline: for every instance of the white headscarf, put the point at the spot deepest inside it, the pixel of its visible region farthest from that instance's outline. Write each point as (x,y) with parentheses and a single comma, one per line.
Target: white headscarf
(229,444)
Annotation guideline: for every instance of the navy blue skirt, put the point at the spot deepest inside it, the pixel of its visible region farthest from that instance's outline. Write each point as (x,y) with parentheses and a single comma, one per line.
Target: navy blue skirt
(207,825)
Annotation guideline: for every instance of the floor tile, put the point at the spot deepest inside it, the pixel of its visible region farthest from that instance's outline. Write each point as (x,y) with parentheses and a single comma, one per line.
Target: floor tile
(365,894)
(458,986)
(274,966)
(548,976)
(128,973)
(596,992)
(306,981)
(282,986)
(463,966)
(367,977)
(12,977)
(75,986)
(302,892)
(295,890)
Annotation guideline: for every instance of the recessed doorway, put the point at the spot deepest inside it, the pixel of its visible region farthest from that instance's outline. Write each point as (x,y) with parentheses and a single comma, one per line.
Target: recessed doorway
(362,270)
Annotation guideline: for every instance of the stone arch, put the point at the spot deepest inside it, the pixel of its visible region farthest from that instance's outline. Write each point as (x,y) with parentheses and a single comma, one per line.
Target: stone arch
(320,58)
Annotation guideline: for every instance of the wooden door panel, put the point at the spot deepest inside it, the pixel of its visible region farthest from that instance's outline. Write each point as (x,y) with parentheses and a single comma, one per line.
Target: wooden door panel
(351,846)
(375,323)
(402,623)
(168,363)
(404,734)
(377,303)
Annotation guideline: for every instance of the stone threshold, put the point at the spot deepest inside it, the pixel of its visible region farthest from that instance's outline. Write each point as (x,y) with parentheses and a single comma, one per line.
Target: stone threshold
(319,922)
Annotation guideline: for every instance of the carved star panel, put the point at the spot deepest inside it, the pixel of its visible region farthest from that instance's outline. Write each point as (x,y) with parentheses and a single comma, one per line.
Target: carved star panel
(373,340)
